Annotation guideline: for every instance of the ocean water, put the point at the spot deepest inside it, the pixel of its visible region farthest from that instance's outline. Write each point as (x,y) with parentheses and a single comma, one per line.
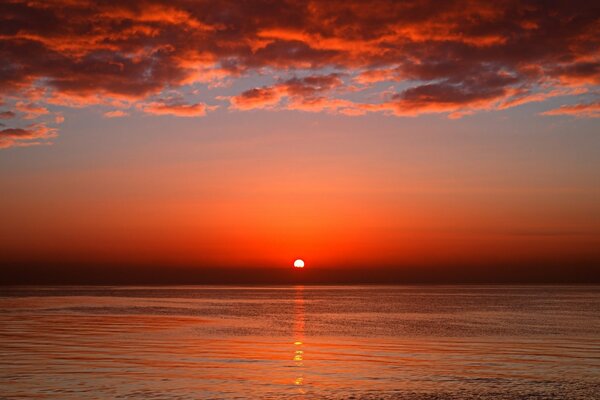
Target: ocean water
(311,342)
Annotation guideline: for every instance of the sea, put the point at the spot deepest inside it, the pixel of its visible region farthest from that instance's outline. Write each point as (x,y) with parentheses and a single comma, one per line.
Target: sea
(300,342)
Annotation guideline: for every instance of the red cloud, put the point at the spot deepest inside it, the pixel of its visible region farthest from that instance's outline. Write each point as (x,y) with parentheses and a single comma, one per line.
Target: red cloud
(31,110)
(257,98)
(7,114)
(454,56)
(304,94)
(177,108)
(579,72)
(115,114)
(34,135)
(586,110)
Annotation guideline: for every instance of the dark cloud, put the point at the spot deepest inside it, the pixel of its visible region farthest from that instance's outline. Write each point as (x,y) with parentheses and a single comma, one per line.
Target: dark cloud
(257,98)
(311,85)
(7,114)
(305,92)
(451,94)
(580,72)
(16,133)
(457,55)
(33,135)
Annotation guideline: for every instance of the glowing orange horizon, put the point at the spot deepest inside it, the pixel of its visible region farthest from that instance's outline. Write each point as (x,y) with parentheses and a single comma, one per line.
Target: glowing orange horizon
(403,134)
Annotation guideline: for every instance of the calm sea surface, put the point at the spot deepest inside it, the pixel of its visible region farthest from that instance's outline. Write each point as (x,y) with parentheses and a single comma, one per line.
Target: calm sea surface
(347,342)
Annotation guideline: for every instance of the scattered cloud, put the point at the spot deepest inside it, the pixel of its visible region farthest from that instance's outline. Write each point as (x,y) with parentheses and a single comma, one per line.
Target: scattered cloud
(582,110)
(376,75)
(309,93)
(264,97)
(115,114)
(31,110)
(455,57)
(33,135)
(177,108)
(7,114)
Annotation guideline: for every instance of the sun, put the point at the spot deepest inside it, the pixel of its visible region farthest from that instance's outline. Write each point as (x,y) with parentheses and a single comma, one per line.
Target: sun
(299,263)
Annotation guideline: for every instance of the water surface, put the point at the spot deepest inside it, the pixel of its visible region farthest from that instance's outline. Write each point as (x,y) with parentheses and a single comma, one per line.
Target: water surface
(312,342)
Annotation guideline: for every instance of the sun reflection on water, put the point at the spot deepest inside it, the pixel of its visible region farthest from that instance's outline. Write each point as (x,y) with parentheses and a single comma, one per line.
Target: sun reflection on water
(298,333)
(225,343)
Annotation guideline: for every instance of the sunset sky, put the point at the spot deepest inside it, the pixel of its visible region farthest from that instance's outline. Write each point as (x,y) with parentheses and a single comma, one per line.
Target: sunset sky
(439,135)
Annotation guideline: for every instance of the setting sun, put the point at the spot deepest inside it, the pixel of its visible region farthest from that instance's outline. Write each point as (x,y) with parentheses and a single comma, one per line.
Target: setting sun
(162,161)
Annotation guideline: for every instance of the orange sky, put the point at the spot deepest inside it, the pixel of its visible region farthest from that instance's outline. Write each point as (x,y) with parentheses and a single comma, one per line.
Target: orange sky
(264,200)
(396,136)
